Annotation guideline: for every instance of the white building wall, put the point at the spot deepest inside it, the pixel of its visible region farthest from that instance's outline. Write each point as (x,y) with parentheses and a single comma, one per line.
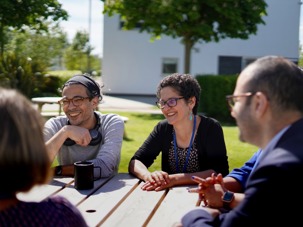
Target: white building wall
(133,65)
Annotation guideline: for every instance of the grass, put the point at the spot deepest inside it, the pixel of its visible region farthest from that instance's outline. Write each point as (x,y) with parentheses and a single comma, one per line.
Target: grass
(140,125)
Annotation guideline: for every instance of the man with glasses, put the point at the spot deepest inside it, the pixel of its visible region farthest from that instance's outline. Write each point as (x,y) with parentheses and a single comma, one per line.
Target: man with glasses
(191,143)
(84,134)
(268,107)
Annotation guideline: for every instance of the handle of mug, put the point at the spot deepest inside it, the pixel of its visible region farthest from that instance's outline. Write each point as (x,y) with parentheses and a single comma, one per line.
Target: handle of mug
(99,177)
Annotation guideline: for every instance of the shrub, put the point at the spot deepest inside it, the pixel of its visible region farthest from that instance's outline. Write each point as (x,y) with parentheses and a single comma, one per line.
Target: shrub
(212,99)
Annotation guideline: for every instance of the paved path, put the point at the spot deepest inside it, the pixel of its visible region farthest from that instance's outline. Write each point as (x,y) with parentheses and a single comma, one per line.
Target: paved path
(115,104)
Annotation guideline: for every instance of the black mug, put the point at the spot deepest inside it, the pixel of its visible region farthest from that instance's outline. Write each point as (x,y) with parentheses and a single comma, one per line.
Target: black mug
(84,175)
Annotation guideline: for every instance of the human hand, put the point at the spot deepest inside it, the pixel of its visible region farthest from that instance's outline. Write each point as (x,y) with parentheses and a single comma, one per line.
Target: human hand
(210,190)
(157,181)
(80,135)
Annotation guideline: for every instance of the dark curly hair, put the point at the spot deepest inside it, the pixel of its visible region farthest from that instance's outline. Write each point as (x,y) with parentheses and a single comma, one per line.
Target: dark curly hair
(185,84)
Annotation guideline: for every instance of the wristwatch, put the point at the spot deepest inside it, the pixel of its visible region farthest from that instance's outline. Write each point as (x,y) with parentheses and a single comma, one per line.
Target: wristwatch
(58,170)
(227,199)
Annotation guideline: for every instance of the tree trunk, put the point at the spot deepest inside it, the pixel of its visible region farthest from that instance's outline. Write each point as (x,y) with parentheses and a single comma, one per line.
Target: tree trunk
(187,57)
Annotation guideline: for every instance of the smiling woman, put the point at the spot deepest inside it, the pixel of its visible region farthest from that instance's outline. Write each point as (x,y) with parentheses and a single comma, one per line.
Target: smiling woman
(190,143)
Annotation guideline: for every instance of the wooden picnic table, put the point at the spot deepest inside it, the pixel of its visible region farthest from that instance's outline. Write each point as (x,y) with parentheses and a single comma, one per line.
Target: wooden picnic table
(40,101)
(119,201)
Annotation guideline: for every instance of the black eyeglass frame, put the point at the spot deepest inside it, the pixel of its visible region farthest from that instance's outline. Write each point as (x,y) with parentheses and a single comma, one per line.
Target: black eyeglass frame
(78,98)
(161,104)
(232,99)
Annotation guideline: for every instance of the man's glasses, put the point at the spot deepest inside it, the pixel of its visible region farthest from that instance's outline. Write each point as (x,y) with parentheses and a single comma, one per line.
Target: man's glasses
(170,102)
(232,99)
(77,101)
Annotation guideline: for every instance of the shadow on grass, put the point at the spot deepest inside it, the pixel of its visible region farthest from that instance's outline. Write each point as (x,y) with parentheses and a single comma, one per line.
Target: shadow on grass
(125,138)
(149,116)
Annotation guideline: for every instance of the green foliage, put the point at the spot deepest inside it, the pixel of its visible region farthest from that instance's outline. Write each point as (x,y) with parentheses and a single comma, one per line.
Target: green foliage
(49,86)
(65,74)
(34,14)
(31,13)
(214,90)
(41,47)
(78,55)
(192,21)
(17,72)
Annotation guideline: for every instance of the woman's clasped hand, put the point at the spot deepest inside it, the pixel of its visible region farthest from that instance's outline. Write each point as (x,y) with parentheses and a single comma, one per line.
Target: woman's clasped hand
(157,180)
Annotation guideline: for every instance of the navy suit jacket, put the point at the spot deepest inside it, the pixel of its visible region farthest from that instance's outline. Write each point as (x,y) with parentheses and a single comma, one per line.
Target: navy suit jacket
(273,194)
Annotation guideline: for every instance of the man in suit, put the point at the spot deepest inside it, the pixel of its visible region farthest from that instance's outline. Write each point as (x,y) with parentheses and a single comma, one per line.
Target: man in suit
(267,105)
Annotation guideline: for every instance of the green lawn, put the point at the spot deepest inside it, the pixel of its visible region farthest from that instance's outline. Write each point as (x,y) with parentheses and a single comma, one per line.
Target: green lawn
(140,125)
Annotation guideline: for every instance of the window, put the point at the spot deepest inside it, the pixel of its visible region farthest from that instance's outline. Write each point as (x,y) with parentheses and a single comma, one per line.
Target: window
(233,64)
(230,65)
(169,66)
(247,61)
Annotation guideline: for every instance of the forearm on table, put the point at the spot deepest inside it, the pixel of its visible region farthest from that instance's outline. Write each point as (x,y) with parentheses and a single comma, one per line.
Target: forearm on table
(186,178)
(109,164)
(54,144)
(138,169)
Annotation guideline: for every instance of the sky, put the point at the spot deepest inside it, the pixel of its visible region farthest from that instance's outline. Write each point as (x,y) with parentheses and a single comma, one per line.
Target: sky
(79,20)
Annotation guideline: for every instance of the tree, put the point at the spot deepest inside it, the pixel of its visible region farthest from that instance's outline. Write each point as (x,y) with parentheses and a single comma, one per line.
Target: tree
(78,54)
(191,20)
(41,47)
(28,56)
(34,14)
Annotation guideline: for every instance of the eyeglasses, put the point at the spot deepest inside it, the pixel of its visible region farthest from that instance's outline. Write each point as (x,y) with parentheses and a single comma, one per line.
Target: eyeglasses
(232,99)
(170,102)
(77,101)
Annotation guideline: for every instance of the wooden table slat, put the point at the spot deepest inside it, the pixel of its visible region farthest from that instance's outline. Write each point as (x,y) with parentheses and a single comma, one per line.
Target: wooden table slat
(77,196)
(38,193)
(120,201)
(107,198)
(177,202)
(135,209)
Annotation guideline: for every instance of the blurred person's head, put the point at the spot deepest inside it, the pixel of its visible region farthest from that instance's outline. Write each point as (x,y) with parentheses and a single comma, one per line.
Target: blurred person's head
(24,161)
(268,97)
